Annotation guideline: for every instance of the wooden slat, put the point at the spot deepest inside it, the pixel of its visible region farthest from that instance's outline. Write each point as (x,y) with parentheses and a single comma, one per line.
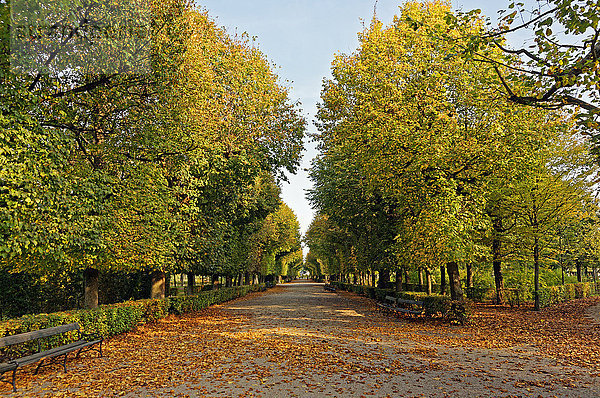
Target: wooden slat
(409,311)
(5,367)
(37,334)
(52,353)
(420,303)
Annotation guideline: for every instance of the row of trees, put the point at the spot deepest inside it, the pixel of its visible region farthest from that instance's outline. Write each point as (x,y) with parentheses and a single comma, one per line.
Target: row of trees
(425,165)
(141,137)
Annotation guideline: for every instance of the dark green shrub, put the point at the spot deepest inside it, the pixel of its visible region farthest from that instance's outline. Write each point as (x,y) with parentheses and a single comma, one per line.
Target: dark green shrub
(155,309)
(480,294)
(436,306)
(205,288)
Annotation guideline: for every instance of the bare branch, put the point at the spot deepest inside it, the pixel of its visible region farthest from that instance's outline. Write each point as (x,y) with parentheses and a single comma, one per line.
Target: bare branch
(522,51)
(524,25)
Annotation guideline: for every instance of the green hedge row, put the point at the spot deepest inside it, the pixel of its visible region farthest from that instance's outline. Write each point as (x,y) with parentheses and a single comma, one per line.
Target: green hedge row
(548,296)
(435,306)
(114,319)
(557,294)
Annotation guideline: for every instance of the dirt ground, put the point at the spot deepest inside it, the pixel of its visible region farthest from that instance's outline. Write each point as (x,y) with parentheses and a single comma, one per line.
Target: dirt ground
(297,340)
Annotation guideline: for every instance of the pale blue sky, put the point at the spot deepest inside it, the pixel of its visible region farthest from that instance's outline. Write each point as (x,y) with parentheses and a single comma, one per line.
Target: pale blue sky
(301,38)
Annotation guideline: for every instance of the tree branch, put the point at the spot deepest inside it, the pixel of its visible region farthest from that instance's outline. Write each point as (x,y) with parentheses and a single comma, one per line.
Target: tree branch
(524,25)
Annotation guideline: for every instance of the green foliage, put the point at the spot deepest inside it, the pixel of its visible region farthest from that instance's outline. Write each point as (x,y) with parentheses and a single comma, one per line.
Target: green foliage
(25,293)
(480,294)
(28,293)
(275,247)
(557,294)
(197,302)
(562,68)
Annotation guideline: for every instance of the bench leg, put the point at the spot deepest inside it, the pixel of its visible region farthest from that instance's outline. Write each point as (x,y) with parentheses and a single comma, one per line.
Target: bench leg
(37,369)
(65,363)
(90,348)
(14,380)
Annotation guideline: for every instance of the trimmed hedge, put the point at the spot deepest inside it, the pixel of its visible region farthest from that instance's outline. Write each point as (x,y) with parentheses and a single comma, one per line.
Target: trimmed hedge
(557,294)
(548,295)
(196,302)
(435,305)
(114,319)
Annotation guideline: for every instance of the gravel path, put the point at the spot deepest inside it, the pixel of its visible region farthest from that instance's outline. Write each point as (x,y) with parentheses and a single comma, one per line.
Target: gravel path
(297,340)
(594,313)
(338,344)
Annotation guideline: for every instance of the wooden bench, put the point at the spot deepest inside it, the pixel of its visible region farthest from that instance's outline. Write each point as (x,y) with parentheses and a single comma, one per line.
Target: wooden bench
(17,359)
(329,287)
(400,305)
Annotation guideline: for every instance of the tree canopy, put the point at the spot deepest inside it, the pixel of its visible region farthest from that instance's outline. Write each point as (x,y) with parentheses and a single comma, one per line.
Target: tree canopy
(162,153)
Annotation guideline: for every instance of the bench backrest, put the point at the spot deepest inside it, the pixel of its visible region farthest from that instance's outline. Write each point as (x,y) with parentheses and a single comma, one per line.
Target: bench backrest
(390,298)
(37,334)
(401,301)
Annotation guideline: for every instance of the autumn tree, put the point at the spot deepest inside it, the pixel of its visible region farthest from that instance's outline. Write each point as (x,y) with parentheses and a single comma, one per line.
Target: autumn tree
(561,63)
(418,144)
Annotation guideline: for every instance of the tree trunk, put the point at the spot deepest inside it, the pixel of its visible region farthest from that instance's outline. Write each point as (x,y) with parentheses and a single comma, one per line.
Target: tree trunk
(421,279)
(168,285)
(406,280)
(497,259)
(384,279)
(442,279)
(536,272)
(399,281)
(373,279)
(215,281)
(191,283)
(90,292)
(560,259)
(228,281)
(157,287)
(456,292)
(247,278)
(428,277)
(578,266)
(469,275)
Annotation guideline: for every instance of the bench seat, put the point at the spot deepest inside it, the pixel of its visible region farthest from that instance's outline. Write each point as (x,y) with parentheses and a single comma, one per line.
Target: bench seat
(329,287)
(55,352)
(393,304)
